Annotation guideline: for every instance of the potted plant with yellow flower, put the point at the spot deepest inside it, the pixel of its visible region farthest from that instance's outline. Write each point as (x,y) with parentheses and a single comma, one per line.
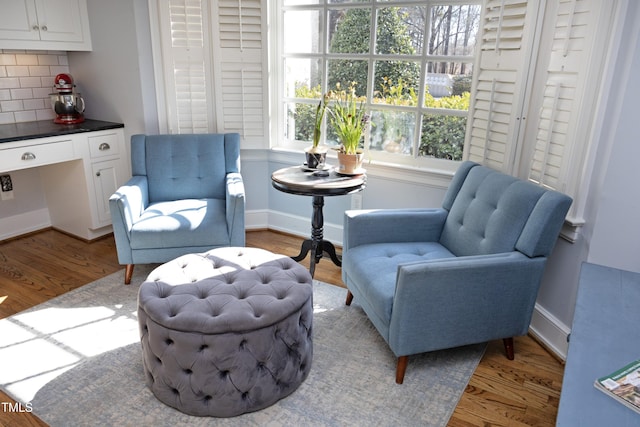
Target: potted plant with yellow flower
(349,121)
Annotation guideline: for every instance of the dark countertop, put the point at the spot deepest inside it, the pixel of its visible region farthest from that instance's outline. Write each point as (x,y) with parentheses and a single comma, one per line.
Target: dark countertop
(45,128)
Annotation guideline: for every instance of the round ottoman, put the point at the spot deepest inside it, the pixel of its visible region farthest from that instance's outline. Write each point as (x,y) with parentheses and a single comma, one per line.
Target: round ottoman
(227,331)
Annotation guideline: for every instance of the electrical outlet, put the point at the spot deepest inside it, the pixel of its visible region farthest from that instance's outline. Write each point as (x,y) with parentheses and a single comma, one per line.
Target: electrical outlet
(7,187)
(5,183)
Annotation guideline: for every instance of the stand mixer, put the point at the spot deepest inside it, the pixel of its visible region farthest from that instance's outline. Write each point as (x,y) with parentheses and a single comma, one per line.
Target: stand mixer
(66,102)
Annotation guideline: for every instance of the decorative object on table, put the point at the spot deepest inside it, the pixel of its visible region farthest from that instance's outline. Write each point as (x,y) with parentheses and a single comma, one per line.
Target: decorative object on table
(186,195)
(349,120)
(350,164)
(66,102)
(465,273)
(316,155)
(623,385)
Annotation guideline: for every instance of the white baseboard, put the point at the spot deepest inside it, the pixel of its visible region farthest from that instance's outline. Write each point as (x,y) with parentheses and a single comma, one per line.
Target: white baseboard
(24,223)
(256,219)
(550,331)
(298,225)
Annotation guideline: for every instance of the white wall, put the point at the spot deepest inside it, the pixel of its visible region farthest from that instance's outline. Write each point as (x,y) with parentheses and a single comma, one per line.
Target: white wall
(116,77)
(616,230)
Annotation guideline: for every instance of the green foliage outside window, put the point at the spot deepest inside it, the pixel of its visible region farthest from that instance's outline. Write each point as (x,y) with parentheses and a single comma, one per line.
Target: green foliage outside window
(442,135)
(352,36)
(305,114)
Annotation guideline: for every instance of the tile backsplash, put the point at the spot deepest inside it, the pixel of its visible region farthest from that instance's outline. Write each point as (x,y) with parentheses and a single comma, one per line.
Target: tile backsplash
(26,80)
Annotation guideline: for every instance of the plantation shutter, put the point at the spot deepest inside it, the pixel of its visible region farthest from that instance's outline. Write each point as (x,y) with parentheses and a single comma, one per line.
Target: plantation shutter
(572,80)
(186,74)
(500,81)
(239,58)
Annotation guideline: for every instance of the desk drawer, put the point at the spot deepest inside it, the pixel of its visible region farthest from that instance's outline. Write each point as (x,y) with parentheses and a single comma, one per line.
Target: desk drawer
(28,156)
(103,145)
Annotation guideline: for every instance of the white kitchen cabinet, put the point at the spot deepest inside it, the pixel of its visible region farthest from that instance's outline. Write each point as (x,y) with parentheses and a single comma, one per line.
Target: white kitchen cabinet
(107,171)
(79,173)
(44,25)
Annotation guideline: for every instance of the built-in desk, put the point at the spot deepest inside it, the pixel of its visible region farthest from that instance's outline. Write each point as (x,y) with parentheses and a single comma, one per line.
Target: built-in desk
(605,336)
(80,165)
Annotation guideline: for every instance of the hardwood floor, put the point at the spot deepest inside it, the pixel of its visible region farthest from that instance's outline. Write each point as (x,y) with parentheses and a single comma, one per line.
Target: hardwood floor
(37,267)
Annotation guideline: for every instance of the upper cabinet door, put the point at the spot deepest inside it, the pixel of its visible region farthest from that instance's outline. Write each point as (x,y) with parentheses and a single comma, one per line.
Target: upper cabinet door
(17,20)
(44,25)
(60,20)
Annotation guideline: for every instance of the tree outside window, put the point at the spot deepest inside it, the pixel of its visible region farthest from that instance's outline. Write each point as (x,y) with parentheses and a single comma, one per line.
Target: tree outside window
(414,69)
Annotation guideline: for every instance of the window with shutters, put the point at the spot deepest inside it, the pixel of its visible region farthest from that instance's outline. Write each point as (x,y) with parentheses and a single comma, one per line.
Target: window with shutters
(240,67)
(213,60)
(537,85)
(569,88)
(186,73)
(410,62)
(502,71)
(512,84)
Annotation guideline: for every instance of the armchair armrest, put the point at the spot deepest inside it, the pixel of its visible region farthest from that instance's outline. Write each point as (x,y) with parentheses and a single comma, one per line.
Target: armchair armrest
(235,202)
(362,227)
(129,201)
(464,300)
(126,205)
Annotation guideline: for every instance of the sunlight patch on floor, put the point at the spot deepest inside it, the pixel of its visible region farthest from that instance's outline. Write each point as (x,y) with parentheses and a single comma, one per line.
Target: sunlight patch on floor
(38,346)
(317,308)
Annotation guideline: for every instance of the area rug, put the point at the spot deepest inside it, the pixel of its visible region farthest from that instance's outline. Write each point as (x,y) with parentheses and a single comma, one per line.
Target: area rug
(76,360)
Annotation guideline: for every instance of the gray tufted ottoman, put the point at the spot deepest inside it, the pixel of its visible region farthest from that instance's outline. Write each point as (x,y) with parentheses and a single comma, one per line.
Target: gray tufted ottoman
(227,331)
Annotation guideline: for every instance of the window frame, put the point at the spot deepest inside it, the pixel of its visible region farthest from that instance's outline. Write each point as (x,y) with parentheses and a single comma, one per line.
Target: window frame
(277,79)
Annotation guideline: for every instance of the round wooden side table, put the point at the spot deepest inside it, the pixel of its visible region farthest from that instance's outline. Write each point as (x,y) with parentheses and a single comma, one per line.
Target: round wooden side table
(317,184)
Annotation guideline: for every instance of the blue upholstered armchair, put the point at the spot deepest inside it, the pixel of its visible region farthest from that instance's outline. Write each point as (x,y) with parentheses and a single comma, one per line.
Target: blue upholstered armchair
(466,273)
(186,195)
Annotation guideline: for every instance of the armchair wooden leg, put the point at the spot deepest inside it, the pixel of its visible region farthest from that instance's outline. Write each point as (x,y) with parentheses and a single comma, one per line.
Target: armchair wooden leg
(508,347)
(128,272)
(349,297)
(401,368)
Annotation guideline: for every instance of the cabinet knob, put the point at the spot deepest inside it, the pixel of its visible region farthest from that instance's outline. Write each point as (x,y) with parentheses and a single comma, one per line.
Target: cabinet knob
(28,156)
(98,173)
(44,28)
(35,28)
(104,147)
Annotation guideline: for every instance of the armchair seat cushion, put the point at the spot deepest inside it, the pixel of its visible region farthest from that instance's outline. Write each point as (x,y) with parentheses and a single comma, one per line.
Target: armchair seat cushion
(373,269)
(186,222)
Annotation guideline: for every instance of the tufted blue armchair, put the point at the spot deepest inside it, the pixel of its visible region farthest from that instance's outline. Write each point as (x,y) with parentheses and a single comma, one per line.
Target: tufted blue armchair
(465,273)
(186,195)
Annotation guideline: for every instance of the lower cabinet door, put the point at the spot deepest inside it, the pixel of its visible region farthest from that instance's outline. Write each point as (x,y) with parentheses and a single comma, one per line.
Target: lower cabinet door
(105,178)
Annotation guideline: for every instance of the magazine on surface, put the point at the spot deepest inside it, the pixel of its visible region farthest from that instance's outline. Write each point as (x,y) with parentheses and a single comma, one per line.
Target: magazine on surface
(623,385)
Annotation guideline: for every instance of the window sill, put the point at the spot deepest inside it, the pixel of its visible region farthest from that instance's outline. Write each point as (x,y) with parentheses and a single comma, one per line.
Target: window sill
(571,229)
(438,177)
